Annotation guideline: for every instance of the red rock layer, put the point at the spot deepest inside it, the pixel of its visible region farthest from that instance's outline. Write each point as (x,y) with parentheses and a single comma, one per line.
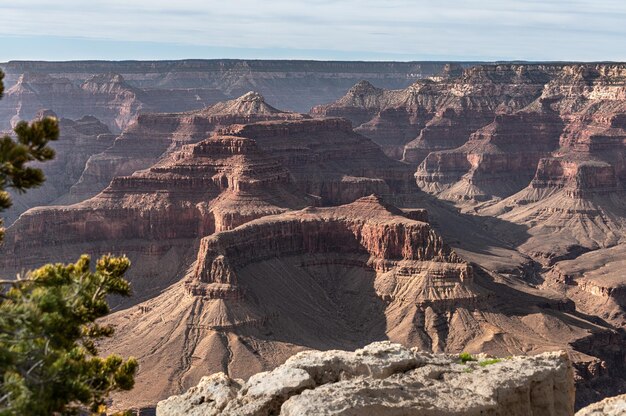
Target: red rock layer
(439,112)
(497,160)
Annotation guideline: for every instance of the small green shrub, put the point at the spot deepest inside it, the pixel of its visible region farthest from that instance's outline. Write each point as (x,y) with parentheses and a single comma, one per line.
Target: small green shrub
(464,357)
(485,363)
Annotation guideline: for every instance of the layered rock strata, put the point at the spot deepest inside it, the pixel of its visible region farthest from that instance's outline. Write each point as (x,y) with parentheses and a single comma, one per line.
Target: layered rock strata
(323,157)
(344,276)
(156,215)
(153,135)
(295,85)
(106,96)
(437,113)
(78,141)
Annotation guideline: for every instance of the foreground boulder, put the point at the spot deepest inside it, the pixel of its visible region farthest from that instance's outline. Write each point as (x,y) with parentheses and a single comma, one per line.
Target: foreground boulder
(387,379)
(612,406)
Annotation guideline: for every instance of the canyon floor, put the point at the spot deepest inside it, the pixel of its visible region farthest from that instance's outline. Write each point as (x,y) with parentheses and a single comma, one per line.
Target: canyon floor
(446,207)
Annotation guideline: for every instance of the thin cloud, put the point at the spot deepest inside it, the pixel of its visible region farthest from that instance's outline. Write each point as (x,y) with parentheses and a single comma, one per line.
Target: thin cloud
(506,29)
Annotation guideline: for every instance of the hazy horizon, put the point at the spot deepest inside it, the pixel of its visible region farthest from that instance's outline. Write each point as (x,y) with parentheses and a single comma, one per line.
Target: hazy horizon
(366,30)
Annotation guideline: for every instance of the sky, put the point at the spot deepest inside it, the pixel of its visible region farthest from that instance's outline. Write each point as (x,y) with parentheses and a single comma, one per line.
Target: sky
(405,30)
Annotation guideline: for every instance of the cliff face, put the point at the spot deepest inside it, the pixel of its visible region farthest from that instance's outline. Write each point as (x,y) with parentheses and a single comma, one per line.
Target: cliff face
(497,160)
(439,112)
(323,157)
(387,379)
(156,215)
(79,140)
(523,168)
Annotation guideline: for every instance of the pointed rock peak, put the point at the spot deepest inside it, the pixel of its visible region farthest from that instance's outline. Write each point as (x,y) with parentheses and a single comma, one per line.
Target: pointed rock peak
(251,96)
(251,103)
(364,87)
(374,203)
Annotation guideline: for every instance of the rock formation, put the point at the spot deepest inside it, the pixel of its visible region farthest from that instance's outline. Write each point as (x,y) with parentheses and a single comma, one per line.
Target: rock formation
(106,96)
(612,406)
(387,379)
(78,140)
(345,276)
(253,237)
(153,135)
(437,113)
(156,215)
(294,85)
(322,155)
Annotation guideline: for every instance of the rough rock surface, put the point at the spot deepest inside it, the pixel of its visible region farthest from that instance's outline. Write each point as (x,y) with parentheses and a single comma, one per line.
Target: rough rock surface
(436,113)
(387,379)
(156,215)
(612,406)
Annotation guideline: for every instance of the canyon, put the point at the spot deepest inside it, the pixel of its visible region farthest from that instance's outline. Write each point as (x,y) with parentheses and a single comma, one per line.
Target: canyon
(445,207)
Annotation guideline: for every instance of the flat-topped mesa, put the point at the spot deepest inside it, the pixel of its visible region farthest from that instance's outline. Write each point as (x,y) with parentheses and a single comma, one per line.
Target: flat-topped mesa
(217,164)
(577,178)
(497,160)
(367,227)
(153,134)
(320,153)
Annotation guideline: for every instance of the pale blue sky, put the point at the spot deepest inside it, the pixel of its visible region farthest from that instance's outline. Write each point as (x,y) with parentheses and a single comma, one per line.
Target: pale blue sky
(586,30)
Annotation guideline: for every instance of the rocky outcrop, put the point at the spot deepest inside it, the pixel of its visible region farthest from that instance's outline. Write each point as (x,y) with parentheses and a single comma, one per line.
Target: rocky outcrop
(497,160)
(441,112)
(612,406)
(345,276)
(387,379)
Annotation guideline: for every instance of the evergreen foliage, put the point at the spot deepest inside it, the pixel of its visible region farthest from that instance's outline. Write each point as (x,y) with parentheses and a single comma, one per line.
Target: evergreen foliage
(30,144)
(49,362)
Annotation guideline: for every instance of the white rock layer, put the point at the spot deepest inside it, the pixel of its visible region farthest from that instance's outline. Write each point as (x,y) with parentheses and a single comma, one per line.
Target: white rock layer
(386,379)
